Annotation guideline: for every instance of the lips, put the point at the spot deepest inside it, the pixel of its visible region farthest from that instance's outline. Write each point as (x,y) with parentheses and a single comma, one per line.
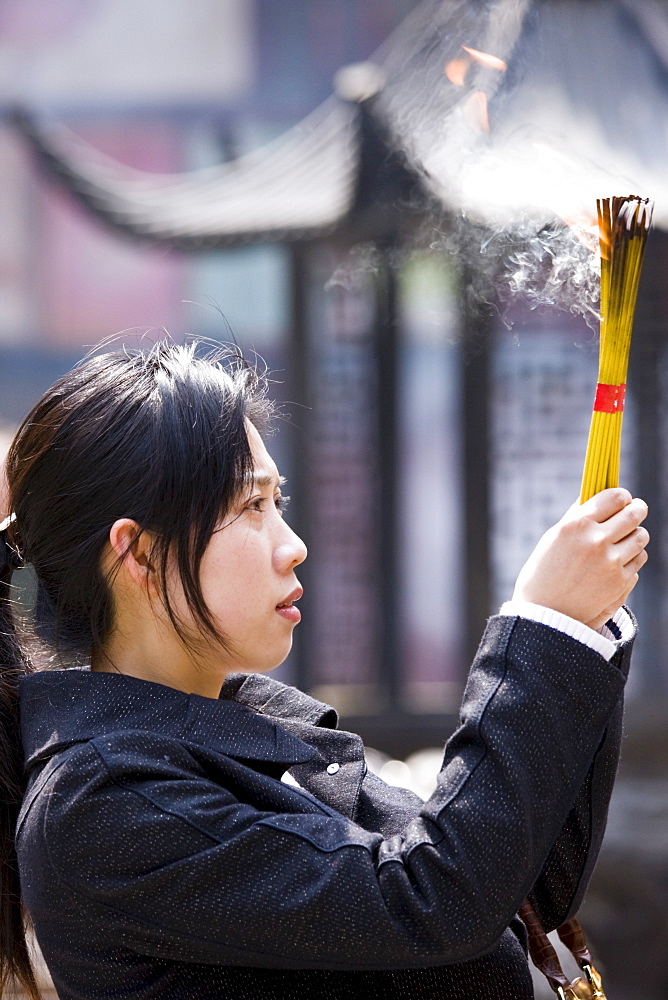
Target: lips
(286,609)
(294,596)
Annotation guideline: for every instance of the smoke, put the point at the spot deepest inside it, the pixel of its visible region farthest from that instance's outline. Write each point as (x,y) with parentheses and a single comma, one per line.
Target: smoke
(526,221)
(551,267)
(516,158)
(503,268)
(359,263)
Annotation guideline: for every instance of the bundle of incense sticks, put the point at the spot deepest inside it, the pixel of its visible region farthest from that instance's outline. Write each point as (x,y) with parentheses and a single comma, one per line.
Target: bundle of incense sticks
(623,227)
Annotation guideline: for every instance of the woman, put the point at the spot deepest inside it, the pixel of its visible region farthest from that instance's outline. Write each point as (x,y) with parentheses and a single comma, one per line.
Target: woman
(160,854)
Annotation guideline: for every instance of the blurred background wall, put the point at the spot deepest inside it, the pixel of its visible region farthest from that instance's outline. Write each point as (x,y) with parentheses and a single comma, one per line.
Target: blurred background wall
(176,87)
(442,437)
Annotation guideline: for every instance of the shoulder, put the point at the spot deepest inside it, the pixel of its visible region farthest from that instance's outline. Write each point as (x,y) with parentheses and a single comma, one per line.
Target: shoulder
(124,753)
(90,784)
(117,802)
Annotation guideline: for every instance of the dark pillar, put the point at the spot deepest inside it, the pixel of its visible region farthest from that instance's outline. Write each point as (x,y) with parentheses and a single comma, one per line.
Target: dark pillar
(646,376)
(298,385)
(387,344)
(477,325)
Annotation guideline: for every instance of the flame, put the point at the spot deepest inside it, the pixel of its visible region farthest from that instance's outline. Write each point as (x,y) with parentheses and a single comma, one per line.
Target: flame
(486,59)
(457,68)
(475,111)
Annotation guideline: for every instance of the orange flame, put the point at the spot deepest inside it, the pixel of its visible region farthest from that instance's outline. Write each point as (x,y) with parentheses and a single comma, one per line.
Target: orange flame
(490,61)
(475,111)
(457,68)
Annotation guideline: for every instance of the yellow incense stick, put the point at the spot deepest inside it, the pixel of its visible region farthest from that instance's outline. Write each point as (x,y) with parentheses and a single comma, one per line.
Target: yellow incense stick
(623,227)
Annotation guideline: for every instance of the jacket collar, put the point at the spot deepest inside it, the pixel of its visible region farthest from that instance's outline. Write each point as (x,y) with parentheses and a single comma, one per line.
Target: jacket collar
(268,696)
(59,708)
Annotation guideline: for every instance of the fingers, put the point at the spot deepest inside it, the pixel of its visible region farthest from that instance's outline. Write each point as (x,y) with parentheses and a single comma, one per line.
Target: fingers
(621,524)
(632,546)
(606,503)
(618,513)
(632,570)
(636,564)
(631,555)
(626,521)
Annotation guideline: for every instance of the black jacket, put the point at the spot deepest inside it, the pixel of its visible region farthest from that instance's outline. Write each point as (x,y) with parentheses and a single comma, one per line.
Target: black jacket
(161,856)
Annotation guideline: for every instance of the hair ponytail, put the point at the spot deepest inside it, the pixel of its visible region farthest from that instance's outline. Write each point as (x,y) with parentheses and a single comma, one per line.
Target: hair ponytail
(15,965)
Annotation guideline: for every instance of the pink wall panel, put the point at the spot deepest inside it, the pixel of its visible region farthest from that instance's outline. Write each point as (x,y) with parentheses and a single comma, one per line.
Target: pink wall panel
(93,284)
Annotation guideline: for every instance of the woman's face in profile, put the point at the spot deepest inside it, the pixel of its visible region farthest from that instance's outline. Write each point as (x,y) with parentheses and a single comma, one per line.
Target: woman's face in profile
(248,572)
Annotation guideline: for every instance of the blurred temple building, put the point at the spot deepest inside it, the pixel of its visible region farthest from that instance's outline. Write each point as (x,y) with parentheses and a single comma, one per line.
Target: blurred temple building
(389,202)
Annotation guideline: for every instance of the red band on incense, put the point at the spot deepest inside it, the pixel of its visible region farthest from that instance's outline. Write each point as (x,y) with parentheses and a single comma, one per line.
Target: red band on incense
(609,398)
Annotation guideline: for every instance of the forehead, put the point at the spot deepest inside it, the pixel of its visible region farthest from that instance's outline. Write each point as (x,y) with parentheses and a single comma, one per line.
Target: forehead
(264,466)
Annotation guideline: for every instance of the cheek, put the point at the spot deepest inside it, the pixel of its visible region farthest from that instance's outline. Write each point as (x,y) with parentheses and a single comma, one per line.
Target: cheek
(231,577)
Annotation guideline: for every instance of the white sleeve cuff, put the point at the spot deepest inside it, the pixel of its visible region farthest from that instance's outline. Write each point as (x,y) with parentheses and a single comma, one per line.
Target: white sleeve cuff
(605,641)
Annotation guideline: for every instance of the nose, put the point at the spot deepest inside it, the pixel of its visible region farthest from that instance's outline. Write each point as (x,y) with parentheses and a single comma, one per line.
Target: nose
(290,550)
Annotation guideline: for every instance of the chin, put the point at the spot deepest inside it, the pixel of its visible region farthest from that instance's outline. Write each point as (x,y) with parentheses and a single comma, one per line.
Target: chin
(271,663)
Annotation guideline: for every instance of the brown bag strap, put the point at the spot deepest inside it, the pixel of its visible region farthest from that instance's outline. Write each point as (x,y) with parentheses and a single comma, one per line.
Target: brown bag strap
(543,955)
(546,959)
(572,935)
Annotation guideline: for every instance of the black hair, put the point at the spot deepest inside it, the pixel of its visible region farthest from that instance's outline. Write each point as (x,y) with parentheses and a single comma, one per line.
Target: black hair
(156,435)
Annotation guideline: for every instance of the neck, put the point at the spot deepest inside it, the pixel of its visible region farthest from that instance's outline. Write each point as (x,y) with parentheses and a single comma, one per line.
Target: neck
(151,656)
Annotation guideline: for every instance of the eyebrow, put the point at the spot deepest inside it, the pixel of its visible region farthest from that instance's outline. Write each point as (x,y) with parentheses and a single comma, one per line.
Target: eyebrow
(265,480)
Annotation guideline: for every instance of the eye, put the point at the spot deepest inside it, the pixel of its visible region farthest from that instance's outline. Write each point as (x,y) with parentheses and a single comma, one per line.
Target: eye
(281,503)
(258,504)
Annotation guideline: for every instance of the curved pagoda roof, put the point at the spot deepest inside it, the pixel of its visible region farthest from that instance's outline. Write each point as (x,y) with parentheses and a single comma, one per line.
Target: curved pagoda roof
(581,108)
(297,187)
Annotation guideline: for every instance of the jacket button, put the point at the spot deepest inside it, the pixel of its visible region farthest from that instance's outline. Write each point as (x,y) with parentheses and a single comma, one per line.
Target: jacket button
(332,768)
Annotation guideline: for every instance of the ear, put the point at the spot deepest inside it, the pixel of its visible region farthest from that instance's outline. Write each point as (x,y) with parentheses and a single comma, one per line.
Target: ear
(133,546)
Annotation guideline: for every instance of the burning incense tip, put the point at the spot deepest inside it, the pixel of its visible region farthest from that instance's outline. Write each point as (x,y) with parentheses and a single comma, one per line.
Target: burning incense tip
(623,224)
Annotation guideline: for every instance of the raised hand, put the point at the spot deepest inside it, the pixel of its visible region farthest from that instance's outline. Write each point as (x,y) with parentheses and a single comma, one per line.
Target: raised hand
(588,563)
